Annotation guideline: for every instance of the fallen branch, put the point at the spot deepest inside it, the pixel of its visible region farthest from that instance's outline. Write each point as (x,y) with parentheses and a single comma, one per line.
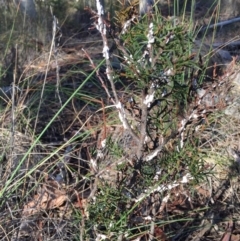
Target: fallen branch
(220,24)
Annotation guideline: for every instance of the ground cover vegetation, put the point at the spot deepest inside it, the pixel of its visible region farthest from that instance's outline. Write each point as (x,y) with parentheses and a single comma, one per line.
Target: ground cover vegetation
(116,132)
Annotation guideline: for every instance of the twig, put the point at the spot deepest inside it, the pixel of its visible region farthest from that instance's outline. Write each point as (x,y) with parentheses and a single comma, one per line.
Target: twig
(55,53)
(99,76)
(101,27)
(12,141)
(147,98)
(220,24)
(143,130)
(155,152)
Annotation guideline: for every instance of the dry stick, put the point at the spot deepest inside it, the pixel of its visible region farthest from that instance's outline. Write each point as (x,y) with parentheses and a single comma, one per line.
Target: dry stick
(147,98)
(143,130)
(56,50)
(77,113)
(99,76)
(101,27)
(12,143)
(152,229)
(104,122)
(115,101)
(232,43)
(221,24)
(155,152)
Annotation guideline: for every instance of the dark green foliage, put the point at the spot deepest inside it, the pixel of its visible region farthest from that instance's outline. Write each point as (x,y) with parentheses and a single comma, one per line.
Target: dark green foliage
(166,64)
